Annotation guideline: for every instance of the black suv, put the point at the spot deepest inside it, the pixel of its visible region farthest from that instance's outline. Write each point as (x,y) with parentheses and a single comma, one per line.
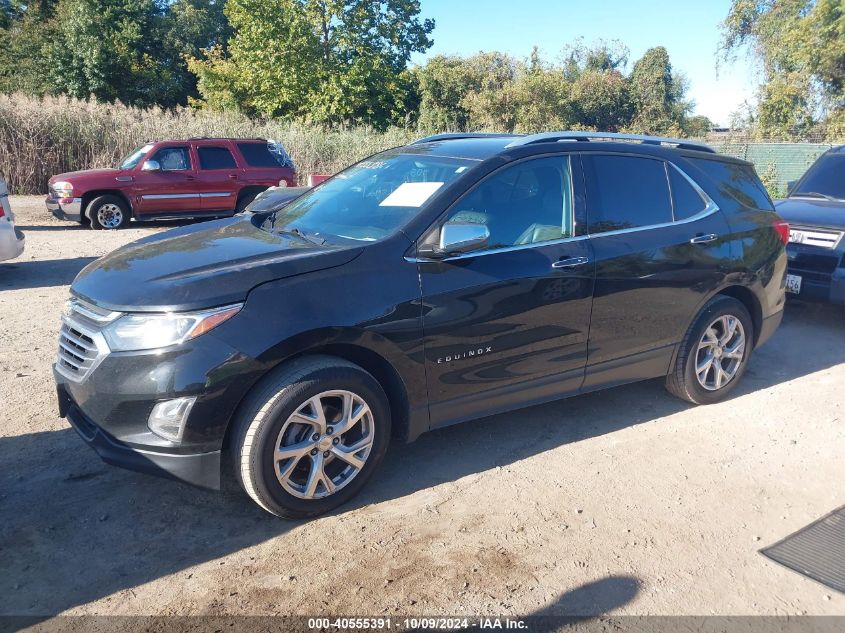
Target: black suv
(815,210)
(453,278)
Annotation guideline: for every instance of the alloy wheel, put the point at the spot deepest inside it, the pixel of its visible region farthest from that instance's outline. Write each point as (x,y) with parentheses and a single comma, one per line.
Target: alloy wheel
(324,444)
(720,352)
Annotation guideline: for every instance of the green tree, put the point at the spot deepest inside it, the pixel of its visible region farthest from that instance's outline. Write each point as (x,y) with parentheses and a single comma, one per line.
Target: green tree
(543,98)
(657,95)
(800,45)
(443,82)
(328,61)
(131,50)
(602,100)
(25,30)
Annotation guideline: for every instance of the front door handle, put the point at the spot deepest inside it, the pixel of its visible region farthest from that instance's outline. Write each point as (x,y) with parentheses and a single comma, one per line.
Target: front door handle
(233,176)
(570,262)
(704,239)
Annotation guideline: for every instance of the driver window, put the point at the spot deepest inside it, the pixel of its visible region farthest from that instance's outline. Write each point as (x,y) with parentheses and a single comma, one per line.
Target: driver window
(173,159)
(527,203)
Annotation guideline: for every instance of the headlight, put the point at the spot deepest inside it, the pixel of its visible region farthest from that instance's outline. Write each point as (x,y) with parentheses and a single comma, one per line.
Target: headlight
(150,331)
(63,189)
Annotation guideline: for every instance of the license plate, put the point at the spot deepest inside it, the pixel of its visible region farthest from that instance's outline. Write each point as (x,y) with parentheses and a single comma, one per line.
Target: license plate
(793,284)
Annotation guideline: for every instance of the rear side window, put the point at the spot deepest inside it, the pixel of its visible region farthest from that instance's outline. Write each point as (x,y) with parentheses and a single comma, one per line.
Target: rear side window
(264,155)
(686,201)
(625,192)
(737,181)
(216,158)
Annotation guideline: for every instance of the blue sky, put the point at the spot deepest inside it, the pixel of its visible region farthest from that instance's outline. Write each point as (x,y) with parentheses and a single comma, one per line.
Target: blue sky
(688,29)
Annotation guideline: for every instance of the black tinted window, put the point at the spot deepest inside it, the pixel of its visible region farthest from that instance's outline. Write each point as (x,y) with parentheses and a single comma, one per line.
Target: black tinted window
(625,192)
(685,199)
(173,158)
(260,155)
(524,204)
(738,181)
(216,158)
(825,177)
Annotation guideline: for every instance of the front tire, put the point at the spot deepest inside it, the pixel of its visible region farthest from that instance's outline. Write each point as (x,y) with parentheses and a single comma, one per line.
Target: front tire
(108,212)
(309,436)
(714,352)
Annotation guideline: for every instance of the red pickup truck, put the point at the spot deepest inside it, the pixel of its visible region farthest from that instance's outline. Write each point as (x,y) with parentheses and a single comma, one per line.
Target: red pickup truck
(198,177)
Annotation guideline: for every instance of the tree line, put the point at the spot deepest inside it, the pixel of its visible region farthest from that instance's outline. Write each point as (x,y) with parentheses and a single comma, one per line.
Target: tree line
(347,62)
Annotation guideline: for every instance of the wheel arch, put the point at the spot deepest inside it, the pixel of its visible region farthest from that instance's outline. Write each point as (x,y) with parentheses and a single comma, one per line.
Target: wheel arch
(365,358)
(747,298)
(253,190)
(89,196)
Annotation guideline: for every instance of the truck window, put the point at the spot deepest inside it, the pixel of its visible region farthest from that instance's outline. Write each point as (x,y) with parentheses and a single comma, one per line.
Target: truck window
(216,158)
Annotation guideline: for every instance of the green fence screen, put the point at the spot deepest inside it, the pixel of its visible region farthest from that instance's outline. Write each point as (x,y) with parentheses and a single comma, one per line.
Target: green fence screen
(776,163)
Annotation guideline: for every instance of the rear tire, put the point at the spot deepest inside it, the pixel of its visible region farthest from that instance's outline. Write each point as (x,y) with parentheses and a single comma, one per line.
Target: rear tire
(714,353)
(244,199)
(298,450)
(108,212)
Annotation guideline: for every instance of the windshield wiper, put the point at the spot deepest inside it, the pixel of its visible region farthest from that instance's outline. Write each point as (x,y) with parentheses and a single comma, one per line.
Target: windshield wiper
(813,194)
(302,236)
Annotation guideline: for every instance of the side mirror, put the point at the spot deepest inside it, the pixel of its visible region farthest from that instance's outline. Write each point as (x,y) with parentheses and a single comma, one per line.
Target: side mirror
(151,165)
(462,237)
(790,185)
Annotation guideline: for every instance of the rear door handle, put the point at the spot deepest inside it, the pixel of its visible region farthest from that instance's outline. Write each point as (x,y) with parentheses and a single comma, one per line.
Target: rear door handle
(704,239)
(233,176)
(571,262)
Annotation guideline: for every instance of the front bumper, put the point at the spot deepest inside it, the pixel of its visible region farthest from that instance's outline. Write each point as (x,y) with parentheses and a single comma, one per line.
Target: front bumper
(12,240)
(822,272)
(111,403)
(65,208)
(199,469)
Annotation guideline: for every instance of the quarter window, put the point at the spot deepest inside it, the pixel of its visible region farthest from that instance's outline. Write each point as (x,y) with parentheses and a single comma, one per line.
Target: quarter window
(216,158)
(737,180)
(173,158)
(625,192)
(686,201)
(528,203)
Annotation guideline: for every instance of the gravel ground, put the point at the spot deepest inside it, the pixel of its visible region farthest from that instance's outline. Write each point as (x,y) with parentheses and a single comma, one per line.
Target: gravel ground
(626,501)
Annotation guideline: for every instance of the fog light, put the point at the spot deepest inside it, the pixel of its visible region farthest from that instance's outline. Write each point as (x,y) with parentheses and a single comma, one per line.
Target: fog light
(168,418)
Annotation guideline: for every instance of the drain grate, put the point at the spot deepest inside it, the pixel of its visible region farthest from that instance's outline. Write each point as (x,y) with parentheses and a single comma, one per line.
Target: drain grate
(817,551)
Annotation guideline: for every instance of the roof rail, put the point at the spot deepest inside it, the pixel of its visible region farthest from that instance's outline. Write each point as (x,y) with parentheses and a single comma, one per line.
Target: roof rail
(552,137)
(225,138)
(458,135)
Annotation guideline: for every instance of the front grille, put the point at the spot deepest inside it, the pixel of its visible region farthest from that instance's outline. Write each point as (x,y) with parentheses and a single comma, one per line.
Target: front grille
(814,237)
(81,343)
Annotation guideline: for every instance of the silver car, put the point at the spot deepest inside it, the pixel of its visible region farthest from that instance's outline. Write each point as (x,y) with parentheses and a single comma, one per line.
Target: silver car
(11,237)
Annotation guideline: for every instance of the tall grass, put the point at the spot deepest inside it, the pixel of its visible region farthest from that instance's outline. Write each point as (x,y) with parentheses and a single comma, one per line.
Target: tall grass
(40,137)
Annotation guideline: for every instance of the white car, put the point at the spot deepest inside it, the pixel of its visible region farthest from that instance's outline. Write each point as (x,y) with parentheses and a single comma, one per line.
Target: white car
(11,237)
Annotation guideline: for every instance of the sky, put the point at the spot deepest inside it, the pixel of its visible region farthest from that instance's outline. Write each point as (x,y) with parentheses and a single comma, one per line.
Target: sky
(688,29)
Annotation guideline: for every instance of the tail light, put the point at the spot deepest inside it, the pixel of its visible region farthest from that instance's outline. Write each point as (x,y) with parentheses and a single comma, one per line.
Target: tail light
(2,212)
(782,229)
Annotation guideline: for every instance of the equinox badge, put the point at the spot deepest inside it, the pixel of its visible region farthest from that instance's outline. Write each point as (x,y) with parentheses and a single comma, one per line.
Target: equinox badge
(467,354)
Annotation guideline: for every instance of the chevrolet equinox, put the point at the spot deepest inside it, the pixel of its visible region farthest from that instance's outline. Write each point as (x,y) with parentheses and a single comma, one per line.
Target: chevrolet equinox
(456,277)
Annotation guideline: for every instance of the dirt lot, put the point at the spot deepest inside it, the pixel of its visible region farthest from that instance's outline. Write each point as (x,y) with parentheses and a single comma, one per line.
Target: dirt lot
(626,501)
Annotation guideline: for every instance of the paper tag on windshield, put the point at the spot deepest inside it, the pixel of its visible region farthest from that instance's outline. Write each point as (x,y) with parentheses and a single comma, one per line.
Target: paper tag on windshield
(411,194)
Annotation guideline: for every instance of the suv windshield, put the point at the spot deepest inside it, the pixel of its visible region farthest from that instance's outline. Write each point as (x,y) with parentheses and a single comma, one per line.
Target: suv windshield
(135,157)
(370,200)
(825,179)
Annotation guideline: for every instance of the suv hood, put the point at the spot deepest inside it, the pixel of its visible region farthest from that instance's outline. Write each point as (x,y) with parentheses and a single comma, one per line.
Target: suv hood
(812,212)
(201,266)
(85,174)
